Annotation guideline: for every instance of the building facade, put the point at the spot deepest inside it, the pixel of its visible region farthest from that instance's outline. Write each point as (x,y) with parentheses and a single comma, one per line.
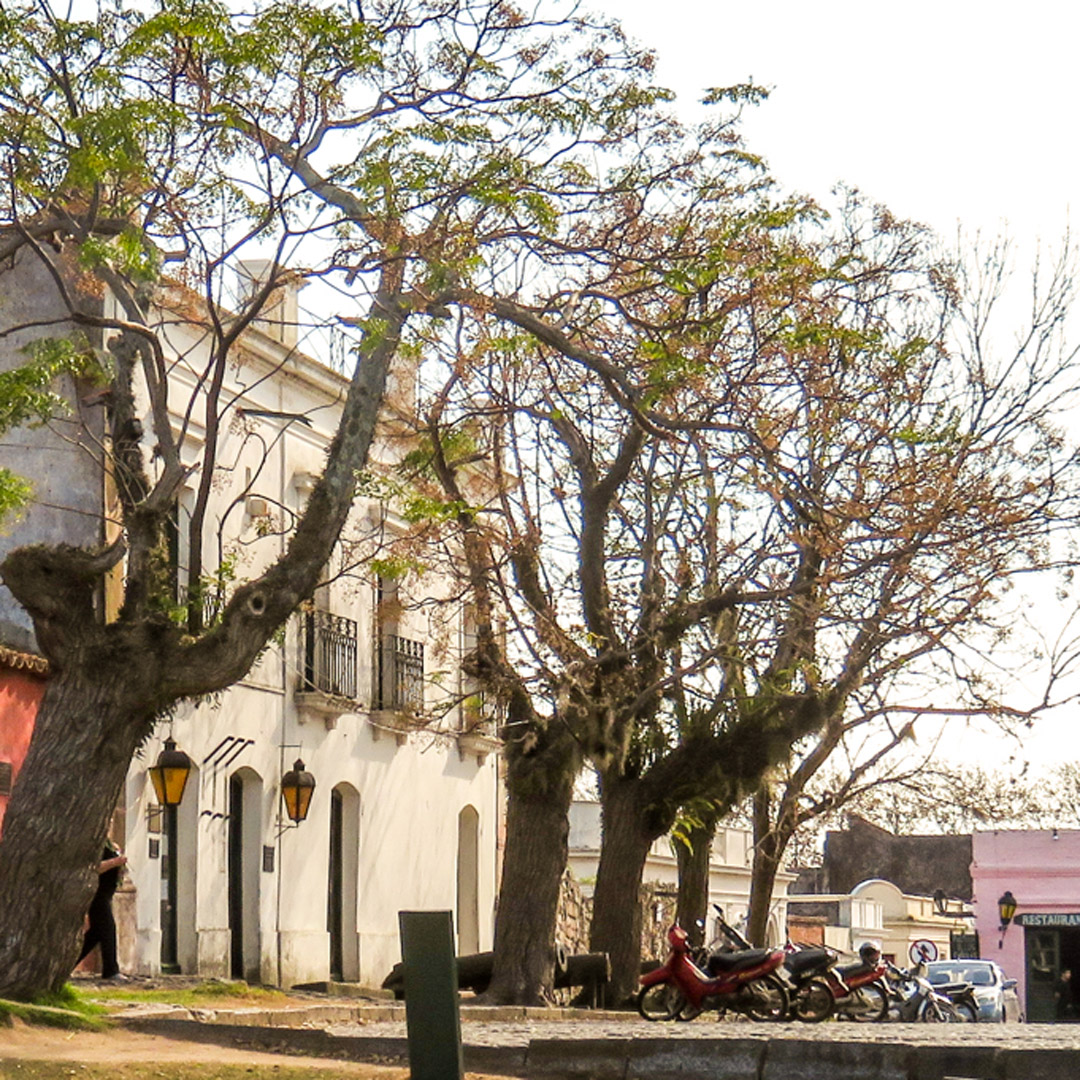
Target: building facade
(1041,869)
(878,911)
(363,686)
(730,869)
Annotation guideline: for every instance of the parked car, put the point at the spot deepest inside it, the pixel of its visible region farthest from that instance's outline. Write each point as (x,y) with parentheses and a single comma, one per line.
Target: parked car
(995,993)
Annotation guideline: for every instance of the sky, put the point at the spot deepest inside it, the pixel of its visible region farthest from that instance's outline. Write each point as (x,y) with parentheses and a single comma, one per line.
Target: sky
(949,111)
(956,114)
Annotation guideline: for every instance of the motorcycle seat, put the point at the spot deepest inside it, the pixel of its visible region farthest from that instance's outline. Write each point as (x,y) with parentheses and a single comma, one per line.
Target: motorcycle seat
(808,960)
(736,961)
(951,988)
(857,968)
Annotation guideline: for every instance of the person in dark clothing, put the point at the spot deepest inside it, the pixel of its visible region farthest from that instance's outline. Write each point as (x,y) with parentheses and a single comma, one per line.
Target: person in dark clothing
(1063,997)
(102,928)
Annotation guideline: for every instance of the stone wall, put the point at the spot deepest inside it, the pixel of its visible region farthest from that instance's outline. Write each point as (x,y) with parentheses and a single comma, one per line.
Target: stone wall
(575,915)
(572,920)
(657,915)
(915,864)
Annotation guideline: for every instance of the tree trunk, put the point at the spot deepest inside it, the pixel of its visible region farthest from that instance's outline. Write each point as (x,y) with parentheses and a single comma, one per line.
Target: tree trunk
(616,918)
(769,847)
(55,829)
(539,787)
(692,906)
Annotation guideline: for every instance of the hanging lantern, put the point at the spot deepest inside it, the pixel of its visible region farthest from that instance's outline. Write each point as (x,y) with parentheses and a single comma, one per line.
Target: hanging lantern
(1006,908)
(297,787)
(170,773)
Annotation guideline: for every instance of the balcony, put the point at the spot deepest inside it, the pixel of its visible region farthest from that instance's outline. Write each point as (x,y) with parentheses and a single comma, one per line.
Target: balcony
(477,727)
(399,685)
(328,651)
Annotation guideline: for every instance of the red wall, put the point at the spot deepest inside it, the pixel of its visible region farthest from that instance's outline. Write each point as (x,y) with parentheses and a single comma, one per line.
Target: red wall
(20,693)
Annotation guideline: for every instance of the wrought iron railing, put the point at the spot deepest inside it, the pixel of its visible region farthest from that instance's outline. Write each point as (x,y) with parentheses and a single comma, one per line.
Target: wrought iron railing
(329,653)
(478,714)
(401,674)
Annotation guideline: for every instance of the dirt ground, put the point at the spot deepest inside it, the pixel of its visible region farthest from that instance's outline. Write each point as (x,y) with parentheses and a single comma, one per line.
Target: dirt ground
(27,1052)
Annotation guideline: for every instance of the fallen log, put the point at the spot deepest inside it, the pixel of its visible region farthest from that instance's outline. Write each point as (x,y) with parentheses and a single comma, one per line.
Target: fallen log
(474,972)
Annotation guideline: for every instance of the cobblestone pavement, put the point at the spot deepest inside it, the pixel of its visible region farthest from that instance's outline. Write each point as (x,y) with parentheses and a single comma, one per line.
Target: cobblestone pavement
(519,1034)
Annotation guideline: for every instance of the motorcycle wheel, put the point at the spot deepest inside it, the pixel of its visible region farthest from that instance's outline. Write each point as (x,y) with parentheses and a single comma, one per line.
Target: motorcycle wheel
(768,999)
(868,1004)
(939,1012)
(813,1002)
(663,1001)
(966,1011)
(690,1011)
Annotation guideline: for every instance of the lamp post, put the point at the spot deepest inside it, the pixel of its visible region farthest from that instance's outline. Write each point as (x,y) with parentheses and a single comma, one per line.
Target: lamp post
(1006,911)
(297,787)
(169,775)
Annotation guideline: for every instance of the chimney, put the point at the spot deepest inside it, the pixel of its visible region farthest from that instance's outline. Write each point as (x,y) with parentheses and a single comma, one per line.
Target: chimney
(280,313)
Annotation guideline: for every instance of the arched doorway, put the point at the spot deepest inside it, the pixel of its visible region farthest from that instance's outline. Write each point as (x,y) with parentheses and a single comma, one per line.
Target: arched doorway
(245,851)
(468,882)
(341,901)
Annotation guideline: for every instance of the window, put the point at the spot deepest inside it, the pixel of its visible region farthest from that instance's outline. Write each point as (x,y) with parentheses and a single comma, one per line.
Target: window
(401,673)
(399,661)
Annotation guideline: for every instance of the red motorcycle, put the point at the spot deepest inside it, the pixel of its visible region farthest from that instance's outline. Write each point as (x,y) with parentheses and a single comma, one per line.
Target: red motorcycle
(745,981)
(859,989)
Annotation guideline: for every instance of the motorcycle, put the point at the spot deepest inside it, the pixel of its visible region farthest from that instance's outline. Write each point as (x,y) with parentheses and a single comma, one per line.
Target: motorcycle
(745,981)
(815,990)
(860,992)
(813,985)
(913,998)
(811,998)
(962,995)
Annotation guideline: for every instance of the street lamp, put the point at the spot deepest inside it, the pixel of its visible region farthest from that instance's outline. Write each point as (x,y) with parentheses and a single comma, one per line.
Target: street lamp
(169,775)
(1006,911)
(297,787)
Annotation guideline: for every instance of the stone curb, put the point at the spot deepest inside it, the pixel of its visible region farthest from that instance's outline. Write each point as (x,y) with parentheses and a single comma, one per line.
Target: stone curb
(306,1015)
(754,1058)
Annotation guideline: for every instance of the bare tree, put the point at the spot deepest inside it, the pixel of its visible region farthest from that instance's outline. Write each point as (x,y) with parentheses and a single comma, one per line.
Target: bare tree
(866,484)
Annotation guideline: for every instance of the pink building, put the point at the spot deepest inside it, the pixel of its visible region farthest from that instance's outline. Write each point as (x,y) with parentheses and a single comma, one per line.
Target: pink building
(1041,868)
(22,682)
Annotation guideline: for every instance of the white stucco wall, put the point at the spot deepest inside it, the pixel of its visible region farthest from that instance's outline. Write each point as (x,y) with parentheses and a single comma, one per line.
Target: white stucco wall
(404,790)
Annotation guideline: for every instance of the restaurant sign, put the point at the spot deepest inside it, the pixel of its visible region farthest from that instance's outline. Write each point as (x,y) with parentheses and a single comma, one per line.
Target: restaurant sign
(1049,918)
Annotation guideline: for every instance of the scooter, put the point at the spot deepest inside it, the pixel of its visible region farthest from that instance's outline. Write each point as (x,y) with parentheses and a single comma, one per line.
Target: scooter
(745,981)
(814,988)
(912,997)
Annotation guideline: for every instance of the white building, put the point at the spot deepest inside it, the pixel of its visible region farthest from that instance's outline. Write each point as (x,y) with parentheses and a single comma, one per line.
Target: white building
(730,864)
(364,687)
(878,911)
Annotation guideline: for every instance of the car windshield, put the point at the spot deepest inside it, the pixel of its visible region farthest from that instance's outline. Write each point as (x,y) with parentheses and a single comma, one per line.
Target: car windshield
(955,971)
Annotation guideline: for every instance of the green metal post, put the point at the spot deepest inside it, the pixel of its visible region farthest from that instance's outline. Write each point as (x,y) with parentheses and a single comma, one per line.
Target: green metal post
(432,1016)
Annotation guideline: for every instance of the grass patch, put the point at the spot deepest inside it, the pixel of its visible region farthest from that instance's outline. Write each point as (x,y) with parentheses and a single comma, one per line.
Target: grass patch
(201,996)
(68,997)
(67,1008)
